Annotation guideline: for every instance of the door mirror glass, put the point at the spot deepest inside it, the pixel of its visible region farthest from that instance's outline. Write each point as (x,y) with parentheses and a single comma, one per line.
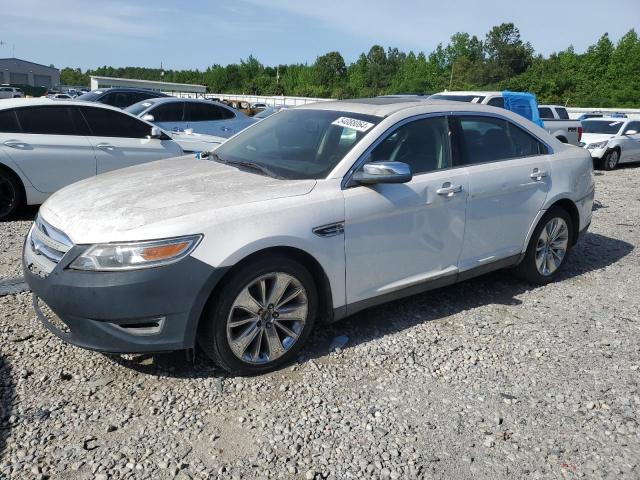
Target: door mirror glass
(156,132)
(148,118)
(631,132)
(383,172)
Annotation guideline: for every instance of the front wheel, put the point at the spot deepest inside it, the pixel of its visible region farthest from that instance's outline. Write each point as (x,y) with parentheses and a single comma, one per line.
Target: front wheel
(548,248)
(610,160)
(261,317)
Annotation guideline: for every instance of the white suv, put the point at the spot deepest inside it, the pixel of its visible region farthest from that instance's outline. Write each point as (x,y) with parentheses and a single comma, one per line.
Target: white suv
(305,217)
(11,92)
(46,145)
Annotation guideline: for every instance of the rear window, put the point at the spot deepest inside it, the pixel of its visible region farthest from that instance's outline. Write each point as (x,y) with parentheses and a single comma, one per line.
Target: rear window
(562,113)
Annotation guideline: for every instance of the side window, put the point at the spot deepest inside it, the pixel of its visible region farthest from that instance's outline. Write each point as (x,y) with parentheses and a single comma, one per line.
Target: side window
(496,102)
(562,113)
(51,120)
(109,123)
(9,122)
(545,113)
(422,144)
(633,126)
(226,113)
(489,139)
(168,112)
(201,112)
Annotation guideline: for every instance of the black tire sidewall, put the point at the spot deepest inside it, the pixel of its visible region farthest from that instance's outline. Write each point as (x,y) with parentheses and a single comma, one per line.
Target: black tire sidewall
(216,316)
(18,197)
(527,268)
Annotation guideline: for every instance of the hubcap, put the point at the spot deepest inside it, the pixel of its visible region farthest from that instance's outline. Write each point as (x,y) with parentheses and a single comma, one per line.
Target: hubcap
(552,246)
(267,317)
(613,159)
(7,196)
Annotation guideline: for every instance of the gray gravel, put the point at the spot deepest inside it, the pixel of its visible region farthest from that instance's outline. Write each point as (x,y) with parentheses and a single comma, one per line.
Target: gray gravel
(487,379)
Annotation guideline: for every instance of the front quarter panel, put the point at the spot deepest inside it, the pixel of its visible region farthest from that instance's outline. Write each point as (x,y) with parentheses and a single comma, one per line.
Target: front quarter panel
(284,222)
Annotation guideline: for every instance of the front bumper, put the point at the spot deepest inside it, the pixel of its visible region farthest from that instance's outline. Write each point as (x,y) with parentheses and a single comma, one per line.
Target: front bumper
(148,310)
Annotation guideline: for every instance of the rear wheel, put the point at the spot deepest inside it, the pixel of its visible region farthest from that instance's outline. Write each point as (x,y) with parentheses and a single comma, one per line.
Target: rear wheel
(548,248)
(11,196)
(610,160)
(261,317)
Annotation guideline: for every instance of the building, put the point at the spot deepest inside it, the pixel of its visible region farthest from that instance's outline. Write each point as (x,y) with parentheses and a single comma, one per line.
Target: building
(175,89)
(14,71)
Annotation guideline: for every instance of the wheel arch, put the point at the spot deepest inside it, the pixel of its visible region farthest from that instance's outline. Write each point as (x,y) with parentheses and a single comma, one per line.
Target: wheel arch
(10,171)
(562,138)
(325,297)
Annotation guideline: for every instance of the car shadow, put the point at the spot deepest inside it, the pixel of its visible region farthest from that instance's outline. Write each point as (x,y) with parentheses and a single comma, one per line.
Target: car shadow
(7,391)
(27,213)
(593,252)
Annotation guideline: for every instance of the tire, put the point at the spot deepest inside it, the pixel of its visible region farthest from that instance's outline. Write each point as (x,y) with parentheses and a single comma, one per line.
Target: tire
(272,341)
(610,160)
(541,263)
(11,195)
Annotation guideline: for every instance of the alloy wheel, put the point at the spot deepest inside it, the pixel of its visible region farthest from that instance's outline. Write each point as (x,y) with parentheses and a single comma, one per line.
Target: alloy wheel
(612,159)
(267,318)
(552,245)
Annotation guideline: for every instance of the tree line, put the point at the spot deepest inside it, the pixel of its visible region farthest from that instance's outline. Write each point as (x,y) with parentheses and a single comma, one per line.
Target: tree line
(605,75)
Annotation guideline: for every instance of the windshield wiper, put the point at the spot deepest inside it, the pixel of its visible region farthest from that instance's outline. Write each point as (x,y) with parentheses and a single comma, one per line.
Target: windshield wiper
(242,163)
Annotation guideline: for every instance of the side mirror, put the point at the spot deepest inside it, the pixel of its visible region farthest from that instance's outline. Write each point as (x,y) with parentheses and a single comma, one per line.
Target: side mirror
(148,118)
(156,132)
(383,172)
(630,132)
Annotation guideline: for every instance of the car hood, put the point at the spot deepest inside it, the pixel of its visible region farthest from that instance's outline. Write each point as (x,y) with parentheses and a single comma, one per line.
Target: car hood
(588,138)
(126,204)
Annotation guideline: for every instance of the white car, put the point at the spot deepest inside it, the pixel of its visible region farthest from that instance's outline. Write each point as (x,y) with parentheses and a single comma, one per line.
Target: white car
(200,116)
(304,218)
(11,92)
(612,141)
(47,145)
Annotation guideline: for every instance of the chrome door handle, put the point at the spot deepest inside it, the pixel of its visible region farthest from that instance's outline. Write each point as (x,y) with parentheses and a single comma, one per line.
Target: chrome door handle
(449,190)
(15,144)
(105,146)
(538,174)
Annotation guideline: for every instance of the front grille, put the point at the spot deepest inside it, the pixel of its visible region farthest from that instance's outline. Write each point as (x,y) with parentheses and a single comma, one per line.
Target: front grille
(45,247)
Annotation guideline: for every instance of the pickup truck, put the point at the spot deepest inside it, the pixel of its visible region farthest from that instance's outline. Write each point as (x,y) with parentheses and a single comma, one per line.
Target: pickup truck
(554,121)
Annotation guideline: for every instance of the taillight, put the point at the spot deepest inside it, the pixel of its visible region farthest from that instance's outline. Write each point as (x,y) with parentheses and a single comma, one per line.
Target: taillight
(579,133)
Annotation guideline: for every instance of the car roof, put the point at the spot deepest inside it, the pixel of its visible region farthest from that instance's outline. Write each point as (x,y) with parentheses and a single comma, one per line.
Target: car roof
(385,106)
(469,92)
(44,101)
(127,89)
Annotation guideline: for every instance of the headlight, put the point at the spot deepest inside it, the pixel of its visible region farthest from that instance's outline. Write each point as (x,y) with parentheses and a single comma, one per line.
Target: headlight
(596,145)
(135,255)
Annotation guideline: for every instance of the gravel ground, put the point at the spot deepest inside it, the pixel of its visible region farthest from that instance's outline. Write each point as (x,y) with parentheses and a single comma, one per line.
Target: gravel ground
(490,379)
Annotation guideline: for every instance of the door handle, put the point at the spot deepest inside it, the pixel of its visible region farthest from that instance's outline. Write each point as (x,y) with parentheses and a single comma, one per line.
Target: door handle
(105,146)
(15,144)
(538,174)
(449,190)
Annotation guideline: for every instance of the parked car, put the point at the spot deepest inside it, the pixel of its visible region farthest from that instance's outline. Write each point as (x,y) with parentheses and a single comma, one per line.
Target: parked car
(565,130)
(586,116)
(612,141)
(60,96)
(306,217)
(11,92)
(47,145)
(119,97)
(201,116)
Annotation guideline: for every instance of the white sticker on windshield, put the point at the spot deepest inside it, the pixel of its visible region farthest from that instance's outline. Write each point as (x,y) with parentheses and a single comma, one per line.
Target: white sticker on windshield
(475,100)
(354,123)
(614,124)
(147,104)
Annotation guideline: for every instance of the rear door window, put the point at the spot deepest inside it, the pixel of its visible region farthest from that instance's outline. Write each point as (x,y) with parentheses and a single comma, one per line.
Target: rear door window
(562,113)
(545,113)
(47,120)
(226,113)
(202,112)
(485,139)
(110,123)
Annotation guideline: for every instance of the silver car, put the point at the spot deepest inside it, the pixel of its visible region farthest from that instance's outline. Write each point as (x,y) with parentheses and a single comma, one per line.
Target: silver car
(200,116)
(612,141)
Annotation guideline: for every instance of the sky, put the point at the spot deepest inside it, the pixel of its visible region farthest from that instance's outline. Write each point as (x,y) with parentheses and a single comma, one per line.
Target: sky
(199,33)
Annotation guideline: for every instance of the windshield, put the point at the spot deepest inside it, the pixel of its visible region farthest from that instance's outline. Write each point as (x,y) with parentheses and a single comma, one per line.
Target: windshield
(265,113)
(458,98)
(137,108)
(599,126)
(298,144)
